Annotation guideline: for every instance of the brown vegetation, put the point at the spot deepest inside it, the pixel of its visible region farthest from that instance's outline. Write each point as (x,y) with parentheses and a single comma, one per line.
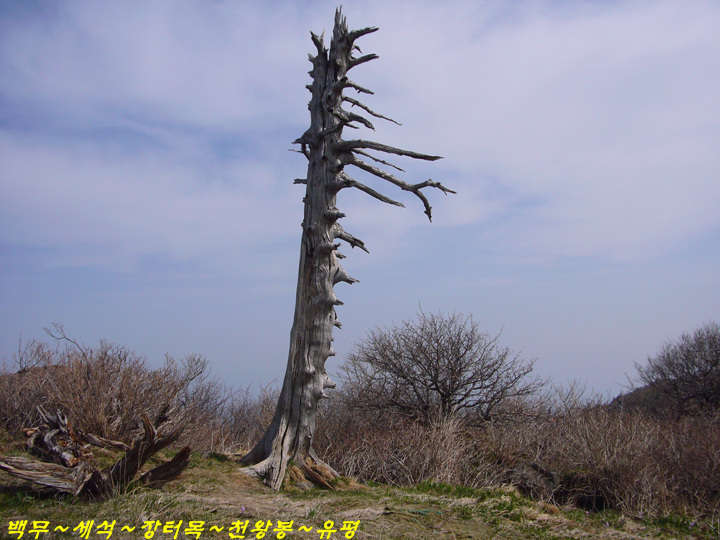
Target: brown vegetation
(562,447)
(686,372)
(437,367)
(578,451)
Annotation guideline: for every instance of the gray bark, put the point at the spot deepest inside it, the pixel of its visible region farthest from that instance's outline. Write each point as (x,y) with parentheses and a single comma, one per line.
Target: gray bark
(67,467)
(289,437)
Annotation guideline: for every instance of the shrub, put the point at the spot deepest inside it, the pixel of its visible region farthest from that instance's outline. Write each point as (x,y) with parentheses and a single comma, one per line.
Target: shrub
(104,390)
(435,369)
(687,371)
(567,448)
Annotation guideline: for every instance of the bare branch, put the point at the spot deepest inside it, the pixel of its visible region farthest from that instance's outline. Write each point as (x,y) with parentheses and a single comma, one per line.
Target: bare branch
(349,238)
(349,84)
(372,145)
(303,147)
(414,188)
(363,106)
(357,61)
(378,160)
(347,117)
(319,42)
(58,334)
(352,36)
(350,182)
(342,275)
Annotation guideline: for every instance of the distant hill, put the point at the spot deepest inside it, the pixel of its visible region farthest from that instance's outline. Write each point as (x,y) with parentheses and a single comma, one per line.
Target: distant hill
(647,399)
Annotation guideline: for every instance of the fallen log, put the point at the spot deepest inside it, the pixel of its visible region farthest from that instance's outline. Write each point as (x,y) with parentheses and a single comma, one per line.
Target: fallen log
(67,467)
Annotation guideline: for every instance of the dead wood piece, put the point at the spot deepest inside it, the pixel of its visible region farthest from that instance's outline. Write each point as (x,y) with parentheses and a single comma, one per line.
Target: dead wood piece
(169,470)
(79,477)
(62,479)
(101,442)
(55,442)
(318,473)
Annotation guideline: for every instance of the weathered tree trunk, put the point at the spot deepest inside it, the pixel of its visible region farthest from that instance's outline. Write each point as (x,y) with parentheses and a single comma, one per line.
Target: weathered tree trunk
(66,467)
(290,434)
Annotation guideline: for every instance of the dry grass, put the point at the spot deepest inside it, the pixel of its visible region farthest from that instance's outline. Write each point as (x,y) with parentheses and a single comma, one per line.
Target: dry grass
(566,449)
(213,491)
(105,390)
(569,449)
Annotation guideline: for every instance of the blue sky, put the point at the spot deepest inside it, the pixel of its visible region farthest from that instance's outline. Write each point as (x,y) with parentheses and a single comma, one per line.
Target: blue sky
(147,197)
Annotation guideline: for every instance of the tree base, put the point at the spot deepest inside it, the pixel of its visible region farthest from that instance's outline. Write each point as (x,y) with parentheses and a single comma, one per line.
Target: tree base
(305,474)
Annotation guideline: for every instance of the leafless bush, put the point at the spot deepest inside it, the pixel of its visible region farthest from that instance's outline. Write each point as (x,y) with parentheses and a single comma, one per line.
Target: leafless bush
(594,456)
(21,392)
(687,371)
(568,448)
(437,368)
(103,390)
(391,449)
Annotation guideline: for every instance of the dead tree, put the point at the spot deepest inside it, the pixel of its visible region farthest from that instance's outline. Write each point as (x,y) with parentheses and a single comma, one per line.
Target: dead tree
(67,467)
(290,435)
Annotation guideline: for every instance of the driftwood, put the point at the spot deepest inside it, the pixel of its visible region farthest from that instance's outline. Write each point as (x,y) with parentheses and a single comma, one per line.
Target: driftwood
(66,455)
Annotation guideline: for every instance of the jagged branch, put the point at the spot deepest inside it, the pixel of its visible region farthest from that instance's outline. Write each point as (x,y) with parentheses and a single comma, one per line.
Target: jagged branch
(319,42)
(367,109)
(141,450)
(413,188)
(347,117)
(348,182)
(303,148)
(349,238)
(355,34)
(378,160)
(347,83)
(348,146)
(342,275)
(357,61)
(343,82)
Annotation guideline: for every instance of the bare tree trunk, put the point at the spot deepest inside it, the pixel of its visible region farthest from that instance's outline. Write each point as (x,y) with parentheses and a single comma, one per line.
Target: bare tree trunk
(289,436)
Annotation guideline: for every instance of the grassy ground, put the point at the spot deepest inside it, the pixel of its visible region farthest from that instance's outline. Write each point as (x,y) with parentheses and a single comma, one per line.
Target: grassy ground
(213,491)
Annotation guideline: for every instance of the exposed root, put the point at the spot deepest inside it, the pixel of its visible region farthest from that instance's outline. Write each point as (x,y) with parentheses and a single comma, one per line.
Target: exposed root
(306,473)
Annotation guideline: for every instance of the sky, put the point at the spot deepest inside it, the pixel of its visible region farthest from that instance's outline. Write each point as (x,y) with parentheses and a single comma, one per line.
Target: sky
(147,196)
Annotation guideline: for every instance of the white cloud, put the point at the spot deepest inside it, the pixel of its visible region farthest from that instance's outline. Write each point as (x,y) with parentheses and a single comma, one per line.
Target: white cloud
(605,115)
(208,64)
(568,129)
(94,202)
